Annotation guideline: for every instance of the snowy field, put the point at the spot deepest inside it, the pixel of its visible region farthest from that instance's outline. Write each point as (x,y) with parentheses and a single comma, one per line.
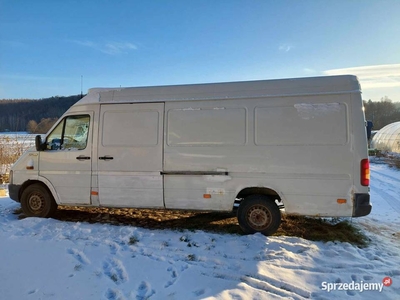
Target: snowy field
(21,137)
(11,143)
(50,259)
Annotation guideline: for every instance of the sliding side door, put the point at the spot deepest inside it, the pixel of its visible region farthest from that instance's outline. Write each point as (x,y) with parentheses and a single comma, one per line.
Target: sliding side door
(130,155)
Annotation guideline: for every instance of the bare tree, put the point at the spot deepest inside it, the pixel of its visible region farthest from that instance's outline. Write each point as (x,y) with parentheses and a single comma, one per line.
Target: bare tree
(381,113)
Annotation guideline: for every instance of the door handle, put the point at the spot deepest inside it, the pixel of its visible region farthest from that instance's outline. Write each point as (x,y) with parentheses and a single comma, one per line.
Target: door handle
(107,157)
(82,157)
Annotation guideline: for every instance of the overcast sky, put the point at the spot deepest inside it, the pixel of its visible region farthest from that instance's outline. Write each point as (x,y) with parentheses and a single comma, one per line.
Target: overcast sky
(48,46)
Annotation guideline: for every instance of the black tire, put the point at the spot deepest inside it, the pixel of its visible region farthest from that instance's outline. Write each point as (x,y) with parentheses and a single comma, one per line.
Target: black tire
(36,201)
(259,213)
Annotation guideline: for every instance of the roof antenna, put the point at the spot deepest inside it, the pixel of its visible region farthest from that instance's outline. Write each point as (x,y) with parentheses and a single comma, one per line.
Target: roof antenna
(81,86)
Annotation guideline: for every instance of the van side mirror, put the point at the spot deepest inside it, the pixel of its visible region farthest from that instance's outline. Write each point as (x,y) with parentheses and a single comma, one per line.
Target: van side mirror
(38,143)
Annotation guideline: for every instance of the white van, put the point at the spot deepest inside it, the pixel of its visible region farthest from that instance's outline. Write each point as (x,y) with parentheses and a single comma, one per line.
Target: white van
(207,147)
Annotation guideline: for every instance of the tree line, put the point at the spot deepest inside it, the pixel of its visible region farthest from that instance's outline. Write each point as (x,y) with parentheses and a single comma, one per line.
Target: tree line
(35,116)
(382,113)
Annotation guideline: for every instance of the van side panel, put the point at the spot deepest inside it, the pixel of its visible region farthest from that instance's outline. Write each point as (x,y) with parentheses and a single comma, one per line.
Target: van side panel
(297,145)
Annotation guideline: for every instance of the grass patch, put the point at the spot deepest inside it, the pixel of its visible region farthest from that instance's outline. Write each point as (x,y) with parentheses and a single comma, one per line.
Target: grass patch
(390,158)
(315,229)
(133,240)
(184,238)
(373,152)
(78,267)
(11,148)
(394,162)
(318,229)
(191,257)
(114,278)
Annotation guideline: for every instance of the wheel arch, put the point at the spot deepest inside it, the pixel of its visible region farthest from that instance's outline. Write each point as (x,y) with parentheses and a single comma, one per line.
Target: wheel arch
(45,183)
(243,193)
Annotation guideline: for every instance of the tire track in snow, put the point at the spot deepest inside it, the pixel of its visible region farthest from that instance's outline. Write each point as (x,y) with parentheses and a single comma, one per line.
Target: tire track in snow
(275,287)
(390,199)
(375,171)
(282,289)
(266,284)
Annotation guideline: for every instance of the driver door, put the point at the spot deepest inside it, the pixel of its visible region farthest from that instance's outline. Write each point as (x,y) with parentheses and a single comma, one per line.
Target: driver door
(67,160)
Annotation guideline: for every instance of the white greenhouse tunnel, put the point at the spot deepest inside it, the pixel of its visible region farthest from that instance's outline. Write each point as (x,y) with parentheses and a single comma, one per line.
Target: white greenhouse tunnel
(388,138)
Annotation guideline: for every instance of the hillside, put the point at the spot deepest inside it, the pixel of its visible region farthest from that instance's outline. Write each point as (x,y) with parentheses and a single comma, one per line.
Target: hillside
(15,114)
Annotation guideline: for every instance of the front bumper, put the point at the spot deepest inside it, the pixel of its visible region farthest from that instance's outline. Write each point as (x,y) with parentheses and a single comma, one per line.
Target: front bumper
(13,191)
(362,205)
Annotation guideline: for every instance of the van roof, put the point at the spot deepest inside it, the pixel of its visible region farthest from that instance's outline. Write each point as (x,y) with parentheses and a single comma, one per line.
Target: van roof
(226,90)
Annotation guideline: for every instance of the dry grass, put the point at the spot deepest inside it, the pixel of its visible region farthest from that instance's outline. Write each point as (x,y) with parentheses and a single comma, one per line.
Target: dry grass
(394,162)
(315,229)
(385,157)
(10,150)
(319,229)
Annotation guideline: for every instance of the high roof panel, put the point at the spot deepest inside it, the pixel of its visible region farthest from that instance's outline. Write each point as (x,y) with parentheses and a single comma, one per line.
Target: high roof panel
(226,90)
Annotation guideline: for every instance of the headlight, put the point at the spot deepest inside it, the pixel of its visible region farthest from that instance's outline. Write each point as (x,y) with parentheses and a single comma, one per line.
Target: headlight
(10,177)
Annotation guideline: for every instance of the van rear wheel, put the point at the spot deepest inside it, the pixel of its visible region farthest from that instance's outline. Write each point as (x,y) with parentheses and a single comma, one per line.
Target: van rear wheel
(259,213)
(36,201)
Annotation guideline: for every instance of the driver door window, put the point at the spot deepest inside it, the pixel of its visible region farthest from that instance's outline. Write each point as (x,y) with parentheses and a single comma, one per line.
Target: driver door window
(70,134)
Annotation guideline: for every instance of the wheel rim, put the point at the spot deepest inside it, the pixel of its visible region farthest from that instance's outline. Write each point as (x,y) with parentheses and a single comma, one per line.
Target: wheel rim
(259,217)
(36,202)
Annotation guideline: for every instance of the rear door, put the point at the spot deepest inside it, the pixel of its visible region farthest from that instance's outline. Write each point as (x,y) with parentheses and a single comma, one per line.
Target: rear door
(130,155)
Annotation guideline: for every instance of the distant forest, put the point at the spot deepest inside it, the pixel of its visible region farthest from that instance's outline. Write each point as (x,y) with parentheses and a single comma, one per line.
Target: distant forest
(35,116)
(382,113)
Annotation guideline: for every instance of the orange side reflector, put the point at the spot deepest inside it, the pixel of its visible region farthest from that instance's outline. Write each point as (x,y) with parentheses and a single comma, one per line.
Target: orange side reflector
(341,201)
(29,167)
(207,196)
(94,193)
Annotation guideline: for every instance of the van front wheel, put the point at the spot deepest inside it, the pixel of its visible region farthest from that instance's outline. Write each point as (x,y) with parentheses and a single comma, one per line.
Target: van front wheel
(259,213)
(36,201)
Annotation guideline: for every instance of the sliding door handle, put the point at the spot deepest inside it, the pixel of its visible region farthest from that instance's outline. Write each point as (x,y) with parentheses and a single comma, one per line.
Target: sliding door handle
(82,157)
(107,157)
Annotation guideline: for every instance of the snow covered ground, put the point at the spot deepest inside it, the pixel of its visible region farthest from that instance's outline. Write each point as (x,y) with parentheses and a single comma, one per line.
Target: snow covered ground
(50,259)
